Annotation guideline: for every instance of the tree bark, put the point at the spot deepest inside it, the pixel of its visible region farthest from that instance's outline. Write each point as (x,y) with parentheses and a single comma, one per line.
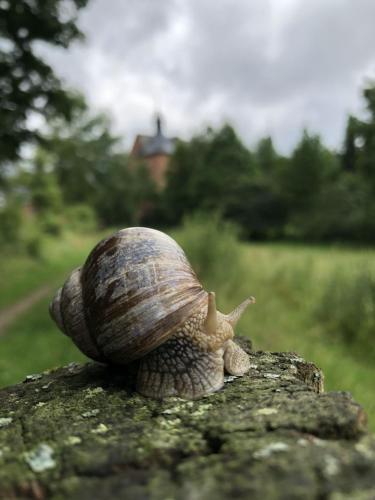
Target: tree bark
(81,432)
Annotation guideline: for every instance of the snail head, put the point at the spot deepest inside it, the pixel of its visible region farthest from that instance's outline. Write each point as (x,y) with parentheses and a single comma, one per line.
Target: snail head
(219,327)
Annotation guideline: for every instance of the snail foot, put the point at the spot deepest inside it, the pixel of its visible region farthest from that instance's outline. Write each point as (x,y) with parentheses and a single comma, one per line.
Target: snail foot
(181,369)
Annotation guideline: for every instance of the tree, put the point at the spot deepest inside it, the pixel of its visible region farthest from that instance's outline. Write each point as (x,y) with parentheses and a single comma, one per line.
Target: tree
(266,157)
(302,178)
(125,196)
(10,223)
(27,83)
(206,174)
(304,174)
(366,132)
(180,196)
(91,168)
(227,165)
(258,209)
(343,211)
(81,152)
(259,206)
(45,193)
(349,157)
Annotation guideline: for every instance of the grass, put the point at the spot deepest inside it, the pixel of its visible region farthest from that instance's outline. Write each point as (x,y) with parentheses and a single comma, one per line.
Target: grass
(32,343)
(21,274)
(299,307)
(290,284)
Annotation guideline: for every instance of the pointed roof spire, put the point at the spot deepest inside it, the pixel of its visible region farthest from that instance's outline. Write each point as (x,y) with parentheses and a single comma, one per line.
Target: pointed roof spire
(156,144)
(158,124)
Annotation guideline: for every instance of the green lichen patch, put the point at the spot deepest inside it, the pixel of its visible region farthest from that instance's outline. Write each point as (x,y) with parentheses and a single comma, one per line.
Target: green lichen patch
(73,440)
(100,429)
(91,393)
(40,458)
(5,421)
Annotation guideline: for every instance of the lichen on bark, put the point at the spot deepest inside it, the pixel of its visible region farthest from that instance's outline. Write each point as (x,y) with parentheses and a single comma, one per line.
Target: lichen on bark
(82,432)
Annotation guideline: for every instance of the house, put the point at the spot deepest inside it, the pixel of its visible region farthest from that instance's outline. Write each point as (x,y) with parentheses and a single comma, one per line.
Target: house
(154,151)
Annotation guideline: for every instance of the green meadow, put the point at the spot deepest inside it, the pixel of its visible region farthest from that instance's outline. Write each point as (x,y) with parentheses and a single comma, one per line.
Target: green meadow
(318,301)
(31,342)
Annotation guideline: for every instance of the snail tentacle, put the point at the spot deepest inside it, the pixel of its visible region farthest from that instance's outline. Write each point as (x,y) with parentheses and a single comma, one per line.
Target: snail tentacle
(211,319)
(235,315)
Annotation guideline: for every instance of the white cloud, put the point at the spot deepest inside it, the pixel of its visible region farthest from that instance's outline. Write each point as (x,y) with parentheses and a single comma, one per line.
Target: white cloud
(266,66)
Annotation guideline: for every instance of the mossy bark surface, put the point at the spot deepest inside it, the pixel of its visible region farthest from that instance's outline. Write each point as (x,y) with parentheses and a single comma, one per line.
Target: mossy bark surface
(81,432)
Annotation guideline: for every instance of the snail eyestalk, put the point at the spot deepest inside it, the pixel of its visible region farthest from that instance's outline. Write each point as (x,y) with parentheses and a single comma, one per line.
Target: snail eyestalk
(211,319)
(235,315)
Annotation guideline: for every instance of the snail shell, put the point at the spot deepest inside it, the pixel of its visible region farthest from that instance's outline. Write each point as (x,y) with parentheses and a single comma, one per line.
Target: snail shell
(133,293)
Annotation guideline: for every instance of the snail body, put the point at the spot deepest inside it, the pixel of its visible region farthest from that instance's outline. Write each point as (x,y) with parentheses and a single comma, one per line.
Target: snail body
(137,297)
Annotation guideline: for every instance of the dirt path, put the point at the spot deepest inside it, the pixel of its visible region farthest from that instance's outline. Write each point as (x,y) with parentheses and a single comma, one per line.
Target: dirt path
(10,314)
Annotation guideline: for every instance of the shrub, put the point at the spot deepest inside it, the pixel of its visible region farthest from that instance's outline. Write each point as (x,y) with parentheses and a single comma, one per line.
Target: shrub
(10,223)
(347,309)
(51,224)
(33,247)
(81,217)
(213,250)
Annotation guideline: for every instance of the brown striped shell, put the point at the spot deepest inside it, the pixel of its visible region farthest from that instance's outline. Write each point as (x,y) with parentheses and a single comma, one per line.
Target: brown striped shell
(134,291)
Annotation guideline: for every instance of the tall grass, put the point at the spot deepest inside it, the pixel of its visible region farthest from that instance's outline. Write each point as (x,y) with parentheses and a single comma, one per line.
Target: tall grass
(33,344)
(347,309)
(21,274)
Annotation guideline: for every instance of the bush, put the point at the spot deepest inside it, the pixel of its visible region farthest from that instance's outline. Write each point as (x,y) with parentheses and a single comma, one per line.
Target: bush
(31,237)
(213,250)
(347,309)
(33,247)
(343,211)
(51,224)
(10,223)
(20,230)
(81,218)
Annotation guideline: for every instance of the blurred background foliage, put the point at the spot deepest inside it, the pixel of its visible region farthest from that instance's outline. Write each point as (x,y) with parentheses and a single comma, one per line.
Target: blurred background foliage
(296,232)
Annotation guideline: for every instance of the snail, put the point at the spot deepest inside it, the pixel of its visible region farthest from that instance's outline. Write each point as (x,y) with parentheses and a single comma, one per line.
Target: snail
(137,297)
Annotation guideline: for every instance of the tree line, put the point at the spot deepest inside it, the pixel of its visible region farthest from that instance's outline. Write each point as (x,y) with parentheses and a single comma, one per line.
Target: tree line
(80,174)
(314,194)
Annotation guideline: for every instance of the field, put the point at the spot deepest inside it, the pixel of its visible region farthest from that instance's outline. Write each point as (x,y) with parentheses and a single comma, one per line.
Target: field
(32,343)
(316,301)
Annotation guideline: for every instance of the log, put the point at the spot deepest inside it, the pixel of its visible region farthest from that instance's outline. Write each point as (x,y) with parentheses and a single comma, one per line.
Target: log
(81,432)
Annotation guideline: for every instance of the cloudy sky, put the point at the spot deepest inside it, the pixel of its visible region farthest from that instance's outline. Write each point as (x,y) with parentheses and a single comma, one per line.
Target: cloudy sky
(266,66)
